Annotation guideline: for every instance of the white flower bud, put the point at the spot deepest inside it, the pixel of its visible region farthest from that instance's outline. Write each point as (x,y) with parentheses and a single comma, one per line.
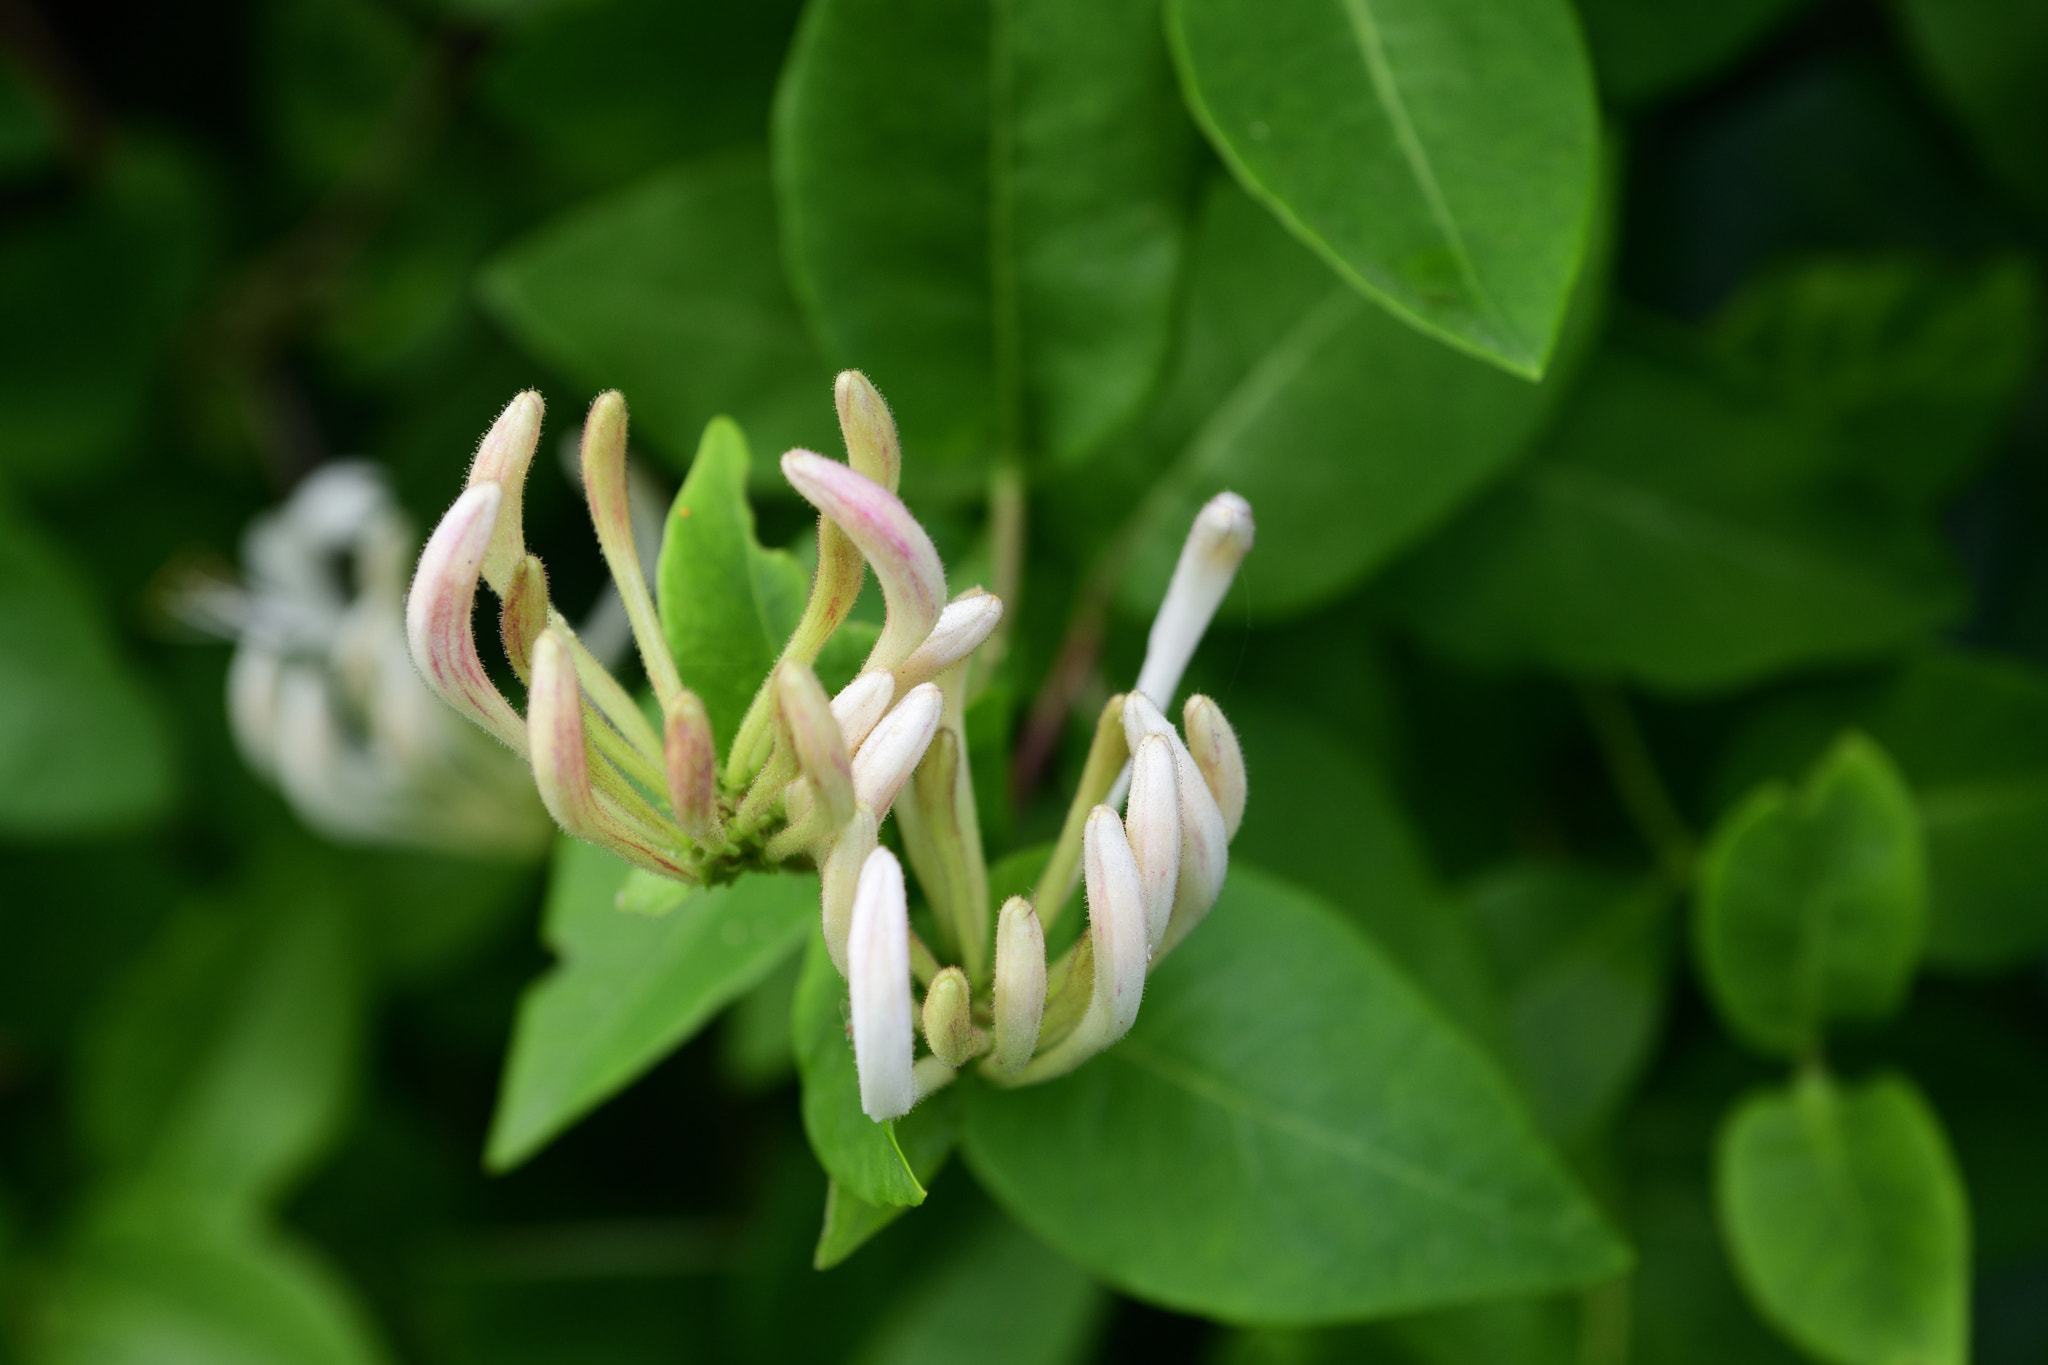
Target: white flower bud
(1152,820)
(894,749)
(860,704)
(878,975)
(1116,926)
(962,627)
(839,877)
(1216,545)
(1019,984)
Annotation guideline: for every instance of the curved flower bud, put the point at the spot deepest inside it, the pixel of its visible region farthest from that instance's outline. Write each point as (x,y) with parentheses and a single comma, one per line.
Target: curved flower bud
(554,716)
(814,732)
(1152,821)
(905,562)
(1219,756)
(1216,545)
(878,975)
(839,877)
(962,626)
(501,461)
(1019,984)
(868,428)
(948,1017)
(860,704)
(1116,927)
(1204,838)
(896,746)
(437,612)
(692,767)
(606,488)
(524,614)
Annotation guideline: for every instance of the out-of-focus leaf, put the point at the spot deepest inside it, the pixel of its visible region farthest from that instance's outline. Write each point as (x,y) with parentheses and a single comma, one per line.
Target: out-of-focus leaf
(861,1156)
(1513,1332)
(983,206)
(1673,533)
(219,1065)
(926,1137)
(1002,1291)
(81,745)
(1984,59)
(1354,1155)
(1442,157)
(331,73)
(1647,49)
(727,605)
(28,139)
(1847,1221)
(755,1050)
(1581,959)
(671,291)
(1813,903)
(629,989)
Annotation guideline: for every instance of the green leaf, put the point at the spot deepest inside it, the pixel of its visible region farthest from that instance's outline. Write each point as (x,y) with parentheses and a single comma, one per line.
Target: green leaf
(1847,1221)
(1018,1304)
(1351,435)
(1511,1332)
(81,746)
(1647,49)
(984,210)
(1582,961)
(629,989)
(926,1137)
(1443,157)
(1984,59)
(1677,534)
(1813,904)
(727,605)
(1289,1134)
(861,1156)
(671,292)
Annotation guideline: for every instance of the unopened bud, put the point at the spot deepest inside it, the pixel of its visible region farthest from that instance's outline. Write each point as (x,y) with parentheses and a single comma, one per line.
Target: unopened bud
(1019,984)
(962,627)
(692,762)
(839,878)
(895,747)
(1204,838)
(878,978)
(607,489)
(554,711)
(1216,545)
(1152,821)
(890,539)
(437,615)
(949,1017)
(1218,755)
(501,461)
(868,428)
(1116,925)
(814,733)
(524,614)
(860,704)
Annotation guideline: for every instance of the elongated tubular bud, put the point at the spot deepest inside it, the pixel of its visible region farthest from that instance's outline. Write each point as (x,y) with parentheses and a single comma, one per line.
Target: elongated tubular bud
(1019,984)
(860,704)
(1107,753)
(878,977)
(894,545)
(501,461)
(1219,756)
(814,733)
(692,767)
(554,717)
(1153,822)
(895,748)
(1216,545)
(1204,837)
(839,878)
(1116,924)
(948,1017)
(437,615)
(868,428)
(962,626)
(611,511)
(524,614)
(254,676)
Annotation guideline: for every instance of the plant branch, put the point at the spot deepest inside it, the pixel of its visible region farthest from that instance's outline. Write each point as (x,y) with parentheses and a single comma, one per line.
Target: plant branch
(1637,782)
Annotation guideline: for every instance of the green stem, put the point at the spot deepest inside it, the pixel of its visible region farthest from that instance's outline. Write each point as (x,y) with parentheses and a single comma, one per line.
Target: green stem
(1637,781)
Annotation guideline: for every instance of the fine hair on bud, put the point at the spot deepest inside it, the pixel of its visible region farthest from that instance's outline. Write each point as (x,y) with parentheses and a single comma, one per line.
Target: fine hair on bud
(948,1017)
(878,980)
(1219,756)
(1019,984)
(868,428)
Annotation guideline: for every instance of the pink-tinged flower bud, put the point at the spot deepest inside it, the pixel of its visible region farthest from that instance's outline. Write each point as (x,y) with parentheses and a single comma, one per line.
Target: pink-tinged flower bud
(1152,821)
(1219,756)
(839,878)
(1116,926)
(554,722)
(868,428)
(437,612)
(948,1017)
(860,704)
(814,733)
(501,461)
(895,747)
(1216,545)
(692,767)
(1019,984)
(962,626)
(607,490)
(878,977)
(524,614)
(907,566)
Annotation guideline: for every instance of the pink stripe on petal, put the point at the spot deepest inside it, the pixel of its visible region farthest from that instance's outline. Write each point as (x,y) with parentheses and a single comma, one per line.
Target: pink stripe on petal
(901,554)
(437,615)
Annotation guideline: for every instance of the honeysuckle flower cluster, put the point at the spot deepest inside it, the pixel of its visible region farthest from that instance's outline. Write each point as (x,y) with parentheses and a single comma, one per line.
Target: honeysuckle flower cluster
(810,778)
(322,697)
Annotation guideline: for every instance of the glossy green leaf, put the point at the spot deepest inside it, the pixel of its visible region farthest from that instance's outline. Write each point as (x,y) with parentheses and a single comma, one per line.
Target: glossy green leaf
(727,605)
(1581,960)
(1813,903)
(1002,1291)
(1647,49)
(1289,1134)
(1847,1221)
(630,989)
(82,747)
(671,291)
(1674,533)
(984,210)
(860,1155)
(1984,59)
(1511,1332)
(1442,157)
(926,1136)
